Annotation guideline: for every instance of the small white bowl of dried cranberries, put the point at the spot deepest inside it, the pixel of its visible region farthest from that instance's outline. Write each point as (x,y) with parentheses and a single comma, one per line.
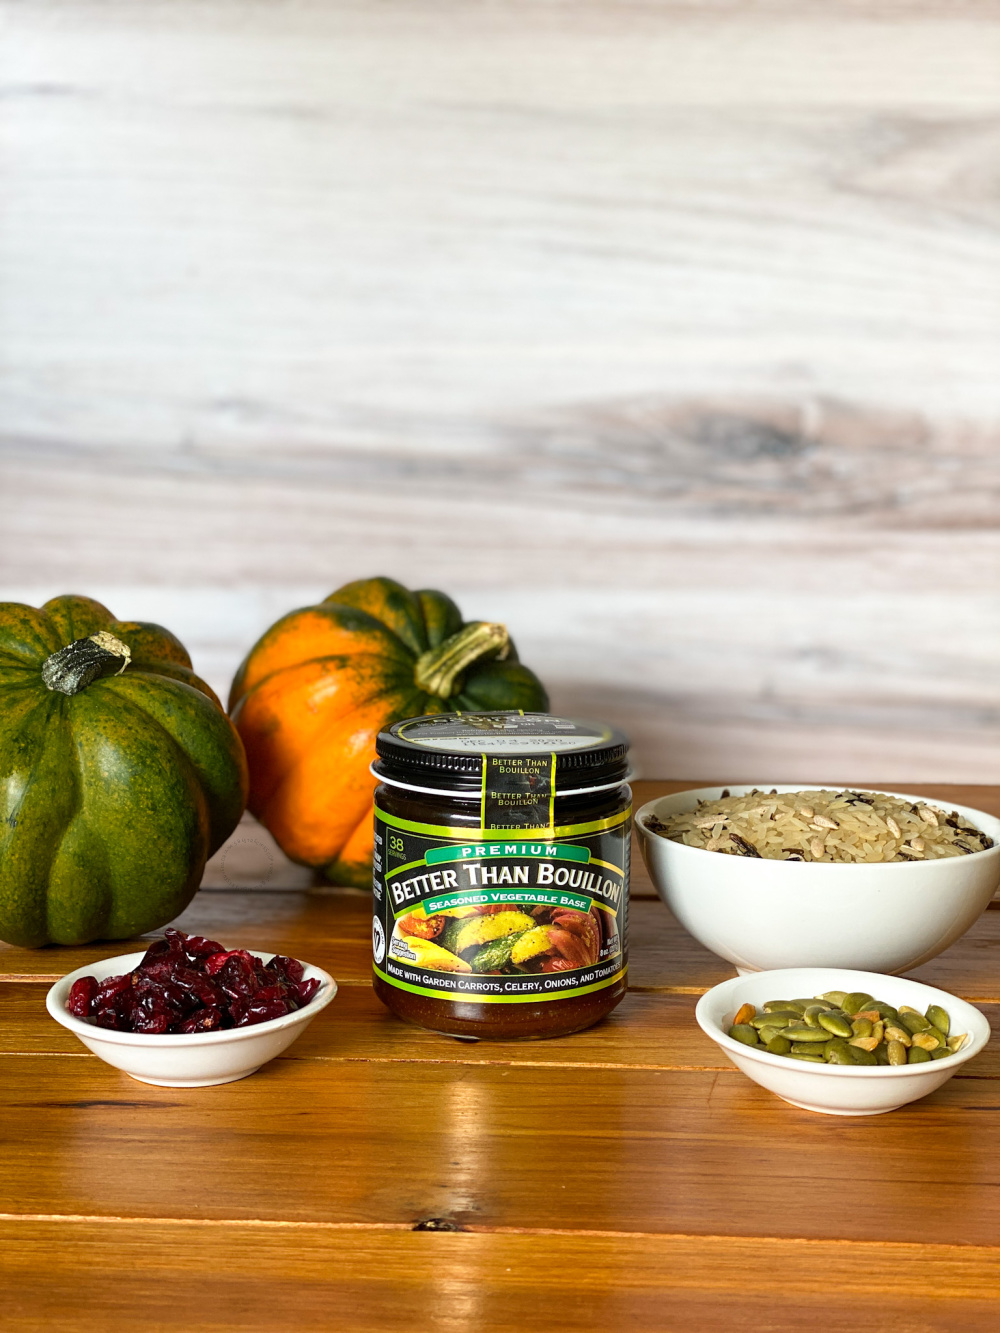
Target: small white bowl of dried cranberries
(189,1013)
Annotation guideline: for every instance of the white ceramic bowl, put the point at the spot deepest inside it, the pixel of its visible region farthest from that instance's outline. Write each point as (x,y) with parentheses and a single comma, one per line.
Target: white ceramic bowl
(765,914)
(187,1060)
(837,1089)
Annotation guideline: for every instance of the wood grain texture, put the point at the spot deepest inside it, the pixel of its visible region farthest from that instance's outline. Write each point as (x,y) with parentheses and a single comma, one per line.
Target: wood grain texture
(309,1277)
(656,1151)
(665,333)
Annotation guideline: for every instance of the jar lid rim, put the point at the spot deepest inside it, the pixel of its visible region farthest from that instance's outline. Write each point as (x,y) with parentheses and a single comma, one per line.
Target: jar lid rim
(448,749)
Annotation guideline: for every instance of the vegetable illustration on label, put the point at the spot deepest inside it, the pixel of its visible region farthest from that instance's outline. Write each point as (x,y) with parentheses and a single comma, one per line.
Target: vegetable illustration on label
(550,914)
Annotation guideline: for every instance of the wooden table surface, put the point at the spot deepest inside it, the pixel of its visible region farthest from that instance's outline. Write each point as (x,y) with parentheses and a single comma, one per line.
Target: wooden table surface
(624,1178)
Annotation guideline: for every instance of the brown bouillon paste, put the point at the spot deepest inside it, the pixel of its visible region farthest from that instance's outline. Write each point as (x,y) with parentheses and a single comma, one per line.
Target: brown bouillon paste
(501,873)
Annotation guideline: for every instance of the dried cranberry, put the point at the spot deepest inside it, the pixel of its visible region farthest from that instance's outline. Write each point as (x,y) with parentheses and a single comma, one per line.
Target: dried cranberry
(81,997)
(289,969)
(161,969)
(217,961)
(125,1001)
(150,1022)
(202,1020)
(306,990)
(109,988)
(108,1018)
(197,947)
(263,1012)
(204,991)
(238,1010)
(161,997)
(267,993)
(158,949)
(237,976)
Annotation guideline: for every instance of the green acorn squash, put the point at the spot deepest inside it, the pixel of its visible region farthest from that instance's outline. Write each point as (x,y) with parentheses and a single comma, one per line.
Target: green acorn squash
(120,775)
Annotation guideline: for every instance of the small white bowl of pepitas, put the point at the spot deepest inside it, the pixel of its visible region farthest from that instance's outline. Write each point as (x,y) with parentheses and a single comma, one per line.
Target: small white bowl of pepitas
(842,1042)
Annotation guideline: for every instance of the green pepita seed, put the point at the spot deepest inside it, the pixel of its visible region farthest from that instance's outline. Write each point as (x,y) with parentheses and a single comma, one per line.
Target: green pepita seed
(745,1033)
(774,1018)
(881,1054)
(810,1059)
(938,1016)
(833,1022)
(916,1055)
(914,1022)
(941,1053)
(862,1027)
(834,997)
(808,1048)
(885,1011)
(855,1002)
(779,1045)
(862,1057)
(767,1034)
(836,1052)
(839,1058)
(805,1034)
(897,1053)
(784,1006)
(812,1014)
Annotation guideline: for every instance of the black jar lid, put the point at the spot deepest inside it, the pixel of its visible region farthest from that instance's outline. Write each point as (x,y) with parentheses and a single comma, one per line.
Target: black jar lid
(444,751)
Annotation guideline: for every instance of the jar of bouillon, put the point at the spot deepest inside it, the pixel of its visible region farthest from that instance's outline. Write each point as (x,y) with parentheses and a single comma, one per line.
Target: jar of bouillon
(501,872)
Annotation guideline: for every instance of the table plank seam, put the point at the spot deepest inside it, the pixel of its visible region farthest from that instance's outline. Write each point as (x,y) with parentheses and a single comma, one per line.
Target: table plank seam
(954,1248)
(513,1063)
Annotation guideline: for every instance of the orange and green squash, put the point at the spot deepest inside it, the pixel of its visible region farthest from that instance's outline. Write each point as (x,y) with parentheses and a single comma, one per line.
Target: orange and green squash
(316,689)
(120,774)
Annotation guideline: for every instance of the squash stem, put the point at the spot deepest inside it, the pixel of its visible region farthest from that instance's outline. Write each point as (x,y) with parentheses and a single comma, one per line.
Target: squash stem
(439,668)
(83,661)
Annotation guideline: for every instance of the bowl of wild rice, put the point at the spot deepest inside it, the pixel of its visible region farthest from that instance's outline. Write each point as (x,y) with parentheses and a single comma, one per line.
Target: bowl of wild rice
(775,877)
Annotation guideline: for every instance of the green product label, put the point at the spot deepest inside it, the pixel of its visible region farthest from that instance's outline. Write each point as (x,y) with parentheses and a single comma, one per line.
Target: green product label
(503,920)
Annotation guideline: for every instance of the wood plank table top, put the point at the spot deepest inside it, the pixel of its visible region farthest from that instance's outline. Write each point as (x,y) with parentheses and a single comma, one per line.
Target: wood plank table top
(623,1178)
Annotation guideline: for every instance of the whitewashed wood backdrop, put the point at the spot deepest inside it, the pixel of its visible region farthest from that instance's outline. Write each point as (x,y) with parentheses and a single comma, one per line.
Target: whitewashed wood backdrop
(668,333)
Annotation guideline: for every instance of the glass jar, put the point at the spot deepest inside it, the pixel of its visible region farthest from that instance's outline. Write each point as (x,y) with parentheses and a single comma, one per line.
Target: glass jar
(501,873)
